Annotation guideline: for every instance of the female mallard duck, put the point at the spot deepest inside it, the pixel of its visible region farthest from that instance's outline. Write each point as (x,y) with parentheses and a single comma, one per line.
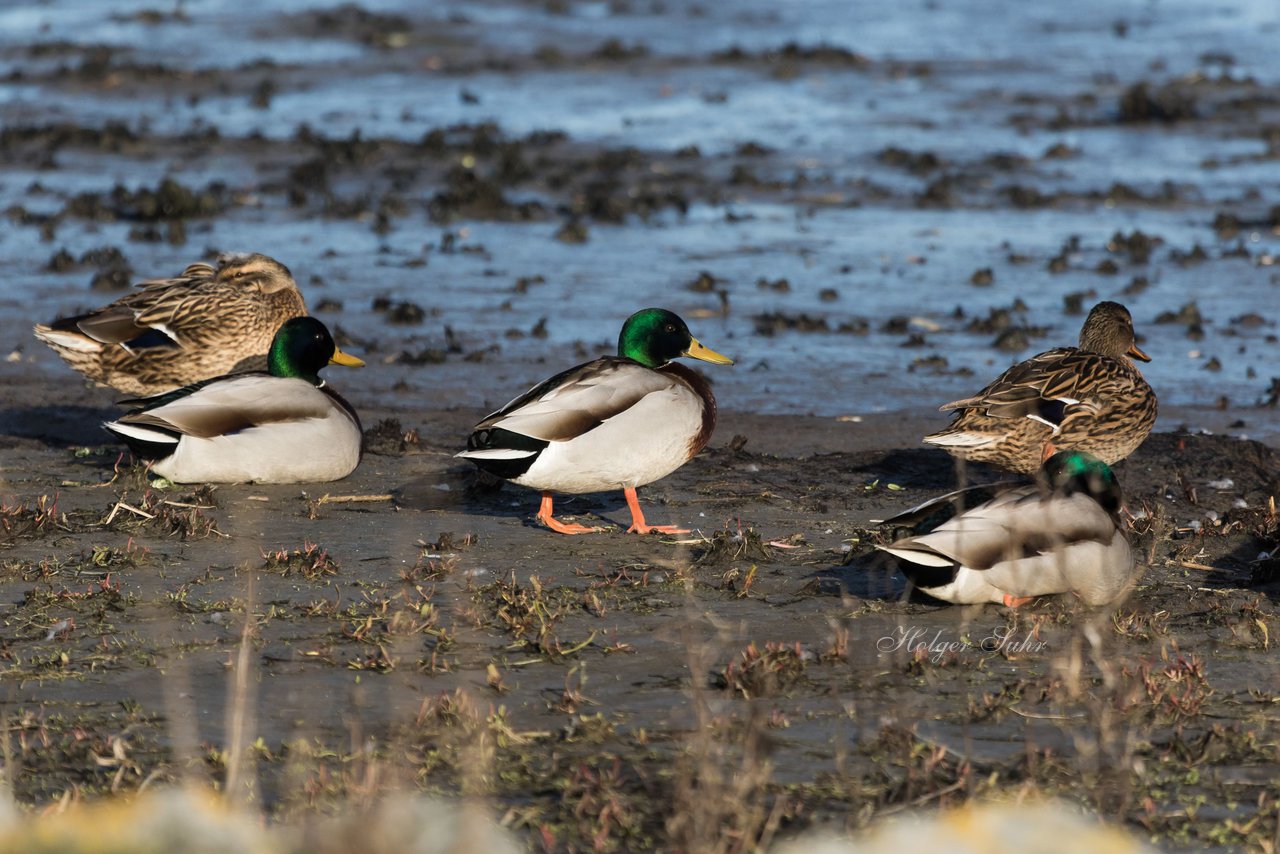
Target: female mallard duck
(617,422)
(1061,535)
(281,426)
(173,332)
(1090,398)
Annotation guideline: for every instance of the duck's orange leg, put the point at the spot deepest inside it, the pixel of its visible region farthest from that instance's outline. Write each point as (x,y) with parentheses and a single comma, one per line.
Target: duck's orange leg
(545,517)
(1016,601)
(638,525)
(1049,451)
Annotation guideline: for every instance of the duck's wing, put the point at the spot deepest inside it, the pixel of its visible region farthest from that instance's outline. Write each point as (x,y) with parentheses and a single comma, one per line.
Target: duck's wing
(573,402)
(1016,525)
(146,319)
(1045,387)
(225,406)
(929,514)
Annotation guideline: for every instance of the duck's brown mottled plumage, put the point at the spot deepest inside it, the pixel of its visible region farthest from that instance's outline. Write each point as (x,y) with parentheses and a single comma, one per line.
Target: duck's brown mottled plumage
(1089,398)
(207,322)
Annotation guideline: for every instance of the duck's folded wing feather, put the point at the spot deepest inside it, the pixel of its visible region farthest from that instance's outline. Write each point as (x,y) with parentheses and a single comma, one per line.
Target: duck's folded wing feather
(226,406)
(1046,387)
(1016,525)
(578,400)
(118,324)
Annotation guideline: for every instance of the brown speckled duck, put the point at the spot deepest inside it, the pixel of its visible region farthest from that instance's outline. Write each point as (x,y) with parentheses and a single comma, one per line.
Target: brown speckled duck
(618,422)
(207,322)
(1089,398)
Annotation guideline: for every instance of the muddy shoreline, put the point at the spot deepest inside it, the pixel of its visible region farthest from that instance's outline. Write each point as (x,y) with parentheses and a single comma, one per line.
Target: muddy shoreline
(437,619)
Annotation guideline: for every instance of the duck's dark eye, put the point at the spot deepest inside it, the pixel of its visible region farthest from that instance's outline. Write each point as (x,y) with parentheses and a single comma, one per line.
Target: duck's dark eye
(671,327)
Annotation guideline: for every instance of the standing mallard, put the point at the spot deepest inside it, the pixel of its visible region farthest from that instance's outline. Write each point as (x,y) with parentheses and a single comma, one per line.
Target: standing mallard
(618,422)
(1061,535)
(1089,398)
(282,426)
(173,332)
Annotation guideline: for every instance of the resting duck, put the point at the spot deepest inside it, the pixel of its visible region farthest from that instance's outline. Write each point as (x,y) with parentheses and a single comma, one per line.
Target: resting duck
(1090,398)
(284,425)
(617,422)
(207,322)
(1061,535)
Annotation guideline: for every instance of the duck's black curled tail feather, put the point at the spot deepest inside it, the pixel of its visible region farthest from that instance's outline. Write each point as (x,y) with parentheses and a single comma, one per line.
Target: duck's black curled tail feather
(498,439)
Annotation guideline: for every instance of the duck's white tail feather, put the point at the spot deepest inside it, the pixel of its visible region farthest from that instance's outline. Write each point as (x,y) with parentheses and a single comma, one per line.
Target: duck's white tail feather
(962,439)
(141,432)
(496,454)
(921,557)
(67,340)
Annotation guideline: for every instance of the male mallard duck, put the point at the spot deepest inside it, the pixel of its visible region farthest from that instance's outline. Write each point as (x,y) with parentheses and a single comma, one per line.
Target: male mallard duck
(1061,535)
(619,421)
(1090,398)
(281,426)
(173,332)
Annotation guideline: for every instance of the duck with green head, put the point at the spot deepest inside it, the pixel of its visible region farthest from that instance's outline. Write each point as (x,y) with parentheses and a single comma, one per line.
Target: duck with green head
(1060,535)
(284,425)
(618,422)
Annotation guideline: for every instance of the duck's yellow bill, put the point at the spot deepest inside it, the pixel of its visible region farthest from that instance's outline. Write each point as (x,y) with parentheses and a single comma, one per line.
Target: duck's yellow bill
(1137,353)
(706,354)
(341,358)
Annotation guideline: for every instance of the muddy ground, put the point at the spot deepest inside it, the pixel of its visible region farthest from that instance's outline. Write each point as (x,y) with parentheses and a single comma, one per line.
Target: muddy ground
(870,231)
(415,621)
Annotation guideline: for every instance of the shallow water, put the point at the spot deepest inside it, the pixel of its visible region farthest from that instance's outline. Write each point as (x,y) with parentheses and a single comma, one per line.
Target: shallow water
(977,87)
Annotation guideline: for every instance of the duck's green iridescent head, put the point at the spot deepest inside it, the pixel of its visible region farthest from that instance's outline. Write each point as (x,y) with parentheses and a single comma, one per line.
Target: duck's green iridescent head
(655,336)
(303,346)
(1070,472)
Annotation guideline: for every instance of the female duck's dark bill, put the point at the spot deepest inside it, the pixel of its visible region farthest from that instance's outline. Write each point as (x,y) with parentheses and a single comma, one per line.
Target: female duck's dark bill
(705,354)
(1136,352)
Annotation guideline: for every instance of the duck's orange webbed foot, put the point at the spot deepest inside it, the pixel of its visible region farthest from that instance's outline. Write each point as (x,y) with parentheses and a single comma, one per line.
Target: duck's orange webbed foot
(545,517)
(1011,601)
(638,525)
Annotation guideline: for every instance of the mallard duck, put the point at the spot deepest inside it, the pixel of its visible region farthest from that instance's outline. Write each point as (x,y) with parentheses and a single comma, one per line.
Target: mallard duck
(1090,398)
(284,425)
(616,422)
(1061,535)
(173,332)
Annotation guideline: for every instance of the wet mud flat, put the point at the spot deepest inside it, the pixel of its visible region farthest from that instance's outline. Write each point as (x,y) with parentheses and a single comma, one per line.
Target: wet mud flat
(459,194)
(411,626)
